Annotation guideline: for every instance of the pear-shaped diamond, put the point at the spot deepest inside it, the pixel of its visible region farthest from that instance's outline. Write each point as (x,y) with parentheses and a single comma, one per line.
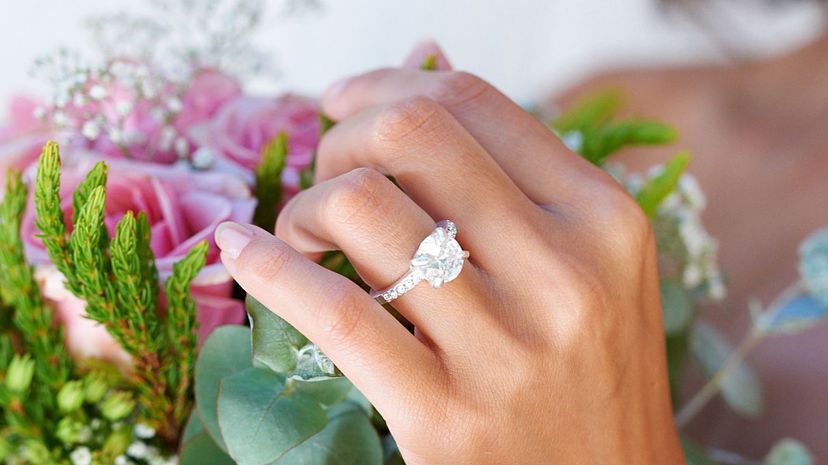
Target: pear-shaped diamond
(439,259)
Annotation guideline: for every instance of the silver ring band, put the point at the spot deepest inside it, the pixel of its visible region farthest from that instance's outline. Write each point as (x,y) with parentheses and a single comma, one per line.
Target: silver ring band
(438,260)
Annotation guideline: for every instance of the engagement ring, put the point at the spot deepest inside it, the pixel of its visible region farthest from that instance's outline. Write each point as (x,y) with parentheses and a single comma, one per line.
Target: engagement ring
(438,260)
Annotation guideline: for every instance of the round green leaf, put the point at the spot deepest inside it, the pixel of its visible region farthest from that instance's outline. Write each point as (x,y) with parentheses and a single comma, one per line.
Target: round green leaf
(225,352)
(327,391)
(789,452)
(198,448)
(348,439)
(741,388)
(797,314)
(260,420)
(275,341)
(676,307)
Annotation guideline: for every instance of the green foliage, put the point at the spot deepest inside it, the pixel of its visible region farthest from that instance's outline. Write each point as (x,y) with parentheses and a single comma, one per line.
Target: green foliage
(676,307)
(269,181)
(429,62)
(813,264)
(182,328)
(800,312)
(659,187)
(740,387)
(694,453)
(590,131)
(262,417)
(119,283)
(276,343)
(593,111)
(306,177)
(225,352)
(32,380)
(198,448)
(348,438)
(789,452)
(263,398)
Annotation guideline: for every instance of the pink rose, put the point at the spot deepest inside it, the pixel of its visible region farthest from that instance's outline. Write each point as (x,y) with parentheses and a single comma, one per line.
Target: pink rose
(184,208)
(22,137)
(245,124)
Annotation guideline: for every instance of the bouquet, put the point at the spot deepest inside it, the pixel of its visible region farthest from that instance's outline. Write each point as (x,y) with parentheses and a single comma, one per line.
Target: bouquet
(123,339)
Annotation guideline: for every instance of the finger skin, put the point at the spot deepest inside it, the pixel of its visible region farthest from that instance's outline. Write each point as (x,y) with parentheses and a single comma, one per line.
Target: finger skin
(368,344)
(379,228)
(547,171)
(436,162)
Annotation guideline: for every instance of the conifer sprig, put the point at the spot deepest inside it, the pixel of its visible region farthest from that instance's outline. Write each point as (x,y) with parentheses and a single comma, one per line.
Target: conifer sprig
(269,181)
(32,318)
(182,328)
(119,281)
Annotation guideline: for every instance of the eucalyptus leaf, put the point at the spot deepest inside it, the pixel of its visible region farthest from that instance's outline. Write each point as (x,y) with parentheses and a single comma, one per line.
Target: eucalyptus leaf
(797,314)
(813,264)
(676,307)
(275,341)
(694,453)
(358,398)
(391,452)
(225,352)
(789,452)
(741,388)
(198,447)
(312,363)
(262,417)
(327,391)
(347,439)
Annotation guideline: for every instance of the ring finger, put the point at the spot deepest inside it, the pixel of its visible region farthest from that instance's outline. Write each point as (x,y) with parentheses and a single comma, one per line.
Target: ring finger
(438,164)
(379,228)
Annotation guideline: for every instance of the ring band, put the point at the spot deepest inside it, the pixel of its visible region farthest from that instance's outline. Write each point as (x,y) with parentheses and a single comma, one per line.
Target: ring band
(438,260)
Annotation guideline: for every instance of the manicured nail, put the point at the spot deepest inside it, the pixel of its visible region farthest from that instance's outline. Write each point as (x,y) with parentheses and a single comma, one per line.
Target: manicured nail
(232,238)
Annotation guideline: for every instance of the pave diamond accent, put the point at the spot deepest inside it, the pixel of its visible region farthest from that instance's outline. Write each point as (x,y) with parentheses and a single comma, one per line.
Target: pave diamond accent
(439,259)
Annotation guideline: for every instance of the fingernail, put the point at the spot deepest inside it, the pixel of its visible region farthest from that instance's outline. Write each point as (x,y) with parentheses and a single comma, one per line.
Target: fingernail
(232,238)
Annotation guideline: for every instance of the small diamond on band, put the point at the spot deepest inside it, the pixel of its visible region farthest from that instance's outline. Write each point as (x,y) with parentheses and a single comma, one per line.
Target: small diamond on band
(438,260)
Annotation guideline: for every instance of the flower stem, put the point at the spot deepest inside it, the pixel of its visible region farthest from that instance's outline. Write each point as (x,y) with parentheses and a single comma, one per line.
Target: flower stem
(714,385)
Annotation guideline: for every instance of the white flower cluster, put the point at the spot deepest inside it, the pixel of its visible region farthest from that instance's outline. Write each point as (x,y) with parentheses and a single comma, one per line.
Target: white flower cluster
(109,99)
(181,35)
(684,242)
(139,451)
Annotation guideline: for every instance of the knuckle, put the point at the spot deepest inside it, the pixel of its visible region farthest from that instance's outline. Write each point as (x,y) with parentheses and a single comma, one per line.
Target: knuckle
(403,119)
(624,223)
(360,192)
(458,88)
(267,261)
(343,319)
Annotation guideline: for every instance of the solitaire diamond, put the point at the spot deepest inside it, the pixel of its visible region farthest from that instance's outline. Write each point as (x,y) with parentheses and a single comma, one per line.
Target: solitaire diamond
(438,260)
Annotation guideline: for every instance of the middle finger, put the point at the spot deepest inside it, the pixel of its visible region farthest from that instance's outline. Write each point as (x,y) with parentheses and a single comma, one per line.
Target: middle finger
(436,162)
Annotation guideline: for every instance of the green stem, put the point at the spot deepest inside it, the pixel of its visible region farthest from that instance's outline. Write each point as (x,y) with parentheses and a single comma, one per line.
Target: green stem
(756,335)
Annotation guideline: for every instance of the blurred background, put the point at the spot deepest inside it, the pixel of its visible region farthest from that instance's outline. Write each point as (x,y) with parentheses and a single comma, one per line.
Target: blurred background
(755,125)
(528,48)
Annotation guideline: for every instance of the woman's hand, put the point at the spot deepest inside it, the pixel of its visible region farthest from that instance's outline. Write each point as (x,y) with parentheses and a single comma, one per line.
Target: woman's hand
(547,348)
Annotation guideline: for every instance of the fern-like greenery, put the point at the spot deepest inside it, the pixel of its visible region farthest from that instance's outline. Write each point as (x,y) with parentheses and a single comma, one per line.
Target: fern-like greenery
(28,413)
(119,282)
